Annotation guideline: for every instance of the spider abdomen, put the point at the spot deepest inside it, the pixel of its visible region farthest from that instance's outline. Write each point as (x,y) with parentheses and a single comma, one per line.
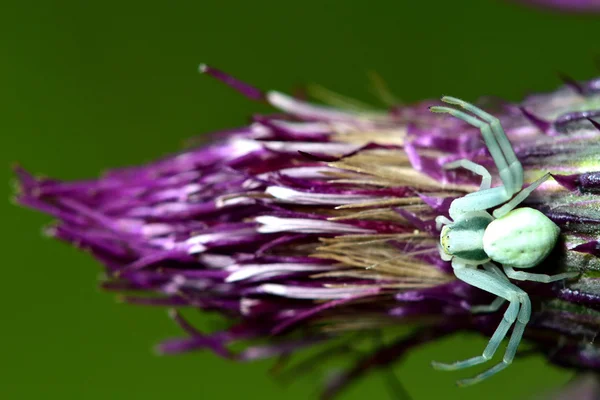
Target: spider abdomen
(521,239)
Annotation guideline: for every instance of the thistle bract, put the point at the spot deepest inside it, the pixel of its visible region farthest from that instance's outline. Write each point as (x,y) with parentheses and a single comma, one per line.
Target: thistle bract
(316,222)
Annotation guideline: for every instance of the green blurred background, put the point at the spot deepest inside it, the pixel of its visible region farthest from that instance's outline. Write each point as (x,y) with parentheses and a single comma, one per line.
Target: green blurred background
(91,85)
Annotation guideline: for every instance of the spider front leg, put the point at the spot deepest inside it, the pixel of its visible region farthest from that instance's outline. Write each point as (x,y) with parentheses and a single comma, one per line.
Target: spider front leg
(441,221)
(478,201)
(486,178)
(509,166)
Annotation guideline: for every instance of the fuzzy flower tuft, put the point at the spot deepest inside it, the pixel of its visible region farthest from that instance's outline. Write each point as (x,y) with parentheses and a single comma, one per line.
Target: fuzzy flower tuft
(315,223)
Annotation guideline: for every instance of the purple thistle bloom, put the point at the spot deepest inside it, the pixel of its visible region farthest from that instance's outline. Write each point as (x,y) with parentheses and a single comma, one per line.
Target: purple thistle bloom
(584,387)
(576,6)
(316,222)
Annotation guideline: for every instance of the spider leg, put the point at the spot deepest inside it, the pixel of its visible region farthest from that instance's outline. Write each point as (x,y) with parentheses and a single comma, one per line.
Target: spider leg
(491,267)
(515,201)
(488,308)
(491,142)
(491,283)
(478,201)
(528,276)
(497,303)
(514,165)
(486,178)
(441,221)
(513,344)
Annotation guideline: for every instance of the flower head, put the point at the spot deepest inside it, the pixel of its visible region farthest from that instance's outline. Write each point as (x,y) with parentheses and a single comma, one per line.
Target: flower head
(574,6)
(315,222)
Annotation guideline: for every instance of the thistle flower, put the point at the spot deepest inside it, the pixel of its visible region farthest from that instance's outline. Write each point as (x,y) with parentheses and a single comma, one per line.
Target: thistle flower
(577,6)
(584,387)
(315,223)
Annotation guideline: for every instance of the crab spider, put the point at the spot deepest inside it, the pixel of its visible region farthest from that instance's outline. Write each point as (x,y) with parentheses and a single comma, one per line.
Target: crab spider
(512,237)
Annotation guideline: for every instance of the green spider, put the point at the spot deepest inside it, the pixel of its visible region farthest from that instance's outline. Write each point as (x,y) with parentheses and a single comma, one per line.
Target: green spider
(512,237)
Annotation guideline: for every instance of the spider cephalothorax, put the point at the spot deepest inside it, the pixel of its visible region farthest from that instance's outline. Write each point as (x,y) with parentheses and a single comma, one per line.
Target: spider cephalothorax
(510,236)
